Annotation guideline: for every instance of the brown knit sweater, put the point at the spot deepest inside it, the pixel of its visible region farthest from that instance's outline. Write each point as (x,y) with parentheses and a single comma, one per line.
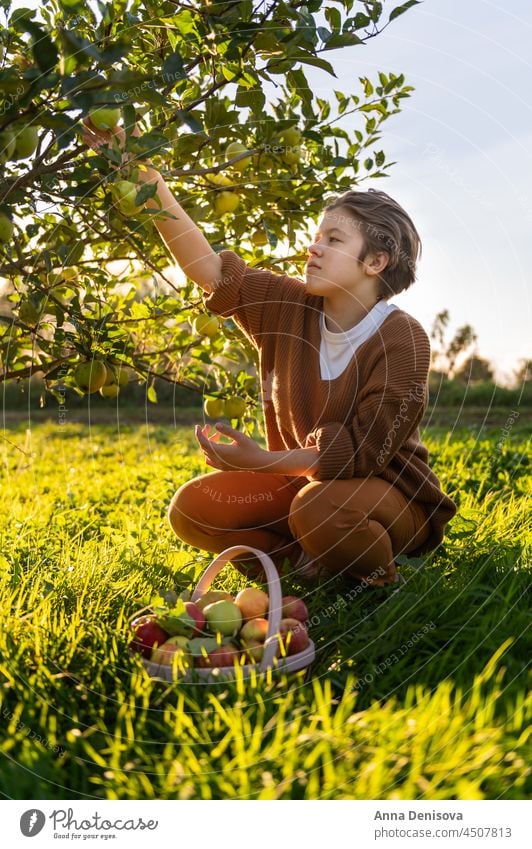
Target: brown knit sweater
(365,421)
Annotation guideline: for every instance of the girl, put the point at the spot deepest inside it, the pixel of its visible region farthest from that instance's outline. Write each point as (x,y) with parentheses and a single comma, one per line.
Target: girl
(345,485)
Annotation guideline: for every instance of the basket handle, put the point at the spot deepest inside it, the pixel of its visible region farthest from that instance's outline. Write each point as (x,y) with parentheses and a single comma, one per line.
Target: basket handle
(274,593)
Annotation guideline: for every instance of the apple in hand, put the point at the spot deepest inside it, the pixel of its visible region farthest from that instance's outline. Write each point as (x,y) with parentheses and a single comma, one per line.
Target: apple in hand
(211,596)
(252,602)
(294,608)
(147,634)
(224,655)
(293,636)
(223,617)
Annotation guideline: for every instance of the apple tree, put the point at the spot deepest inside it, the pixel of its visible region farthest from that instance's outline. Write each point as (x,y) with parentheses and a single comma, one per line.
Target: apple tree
(217,96)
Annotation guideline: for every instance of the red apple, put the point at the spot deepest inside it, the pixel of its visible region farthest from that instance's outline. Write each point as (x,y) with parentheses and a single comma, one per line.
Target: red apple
(147,635)
(224,655)
(252,602)
(196,614)
(255,629)
(294,608)
(175,647)
(294,636)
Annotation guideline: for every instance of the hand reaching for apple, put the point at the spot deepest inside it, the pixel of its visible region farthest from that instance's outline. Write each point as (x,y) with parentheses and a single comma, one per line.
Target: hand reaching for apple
(96,138)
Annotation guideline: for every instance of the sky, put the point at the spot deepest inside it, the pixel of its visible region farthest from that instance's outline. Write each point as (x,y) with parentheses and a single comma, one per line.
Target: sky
(463,148)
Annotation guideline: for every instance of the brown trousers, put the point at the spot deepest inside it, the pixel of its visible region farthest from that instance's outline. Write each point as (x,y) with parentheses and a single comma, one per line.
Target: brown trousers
(354,526)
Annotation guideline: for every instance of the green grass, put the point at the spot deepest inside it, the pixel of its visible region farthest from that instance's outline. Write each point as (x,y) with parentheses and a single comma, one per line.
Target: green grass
(414,694)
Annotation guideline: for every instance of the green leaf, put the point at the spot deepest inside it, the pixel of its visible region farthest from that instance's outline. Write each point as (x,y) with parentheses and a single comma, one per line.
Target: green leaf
(152,394)
(199,646)
(345,39)
(173,69)
(399,10)
(253,99)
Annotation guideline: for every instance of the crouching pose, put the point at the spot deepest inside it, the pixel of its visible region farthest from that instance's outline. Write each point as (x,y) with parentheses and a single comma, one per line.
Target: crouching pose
(344,485)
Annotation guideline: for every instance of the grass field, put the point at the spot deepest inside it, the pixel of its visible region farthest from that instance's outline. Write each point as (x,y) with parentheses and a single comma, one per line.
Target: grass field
(416,694)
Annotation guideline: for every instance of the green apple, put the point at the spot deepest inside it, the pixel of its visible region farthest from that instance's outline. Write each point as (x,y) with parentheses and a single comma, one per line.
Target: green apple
(220,180)
(104,118)
(6,228)
(26,141)
(205,325)
(225,202)
(291,136)
(235,407)
(235,149)
(7,145)
(259,238)
(125,192)
(213,407)
(223,617)
(292,155)
(109,390)
(91,375)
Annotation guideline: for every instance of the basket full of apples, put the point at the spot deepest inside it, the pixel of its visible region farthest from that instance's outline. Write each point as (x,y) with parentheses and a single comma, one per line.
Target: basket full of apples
(212,633)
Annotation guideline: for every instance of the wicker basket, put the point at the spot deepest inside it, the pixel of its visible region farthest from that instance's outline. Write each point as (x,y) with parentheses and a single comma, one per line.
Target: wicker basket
(291,663)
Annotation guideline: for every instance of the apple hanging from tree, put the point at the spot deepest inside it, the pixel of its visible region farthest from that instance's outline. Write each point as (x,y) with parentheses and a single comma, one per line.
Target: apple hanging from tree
(235,149)
(205,325)
(26,141)
(225,202)
(104,117)
(213,407)
(91,375)
(234,407)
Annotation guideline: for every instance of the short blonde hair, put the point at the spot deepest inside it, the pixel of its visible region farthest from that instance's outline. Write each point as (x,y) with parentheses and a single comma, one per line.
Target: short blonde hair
(385,227)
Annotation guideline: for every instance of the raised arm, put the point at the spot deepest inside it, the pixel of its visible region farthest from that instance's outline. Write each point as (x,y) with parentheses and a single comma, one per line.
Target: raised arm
(181,235)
